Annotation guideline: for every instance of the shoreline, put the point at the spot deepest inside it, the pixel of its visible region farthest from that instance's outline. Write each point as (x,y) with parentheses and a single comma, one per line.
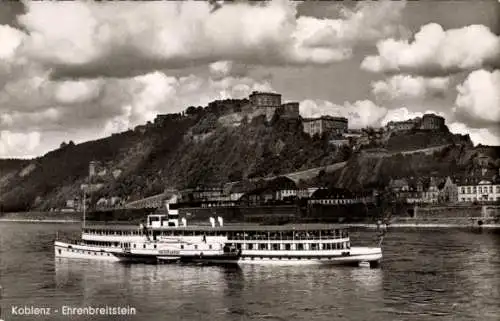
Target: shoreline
(354,225)
(17,220)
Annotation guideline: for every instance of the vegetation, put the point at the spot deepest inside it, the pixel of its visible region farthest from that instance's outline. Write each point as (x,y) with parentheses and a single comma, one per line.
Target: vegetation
(176,152)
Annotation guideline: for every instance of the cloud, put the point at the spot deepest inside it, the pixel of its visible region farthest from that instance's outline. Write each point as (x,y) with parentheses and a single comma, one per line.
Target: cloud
(484,136)
(123,39)
(409,87)
(360,114)
(222,69)
(16,144)
(368,22)
(106,105)
(478,98)
(437,51)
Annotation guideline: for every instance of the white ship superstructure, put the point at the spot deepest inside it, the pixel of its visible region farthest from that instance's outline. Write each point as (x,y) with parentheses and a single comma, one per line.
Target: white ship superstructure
(166,237)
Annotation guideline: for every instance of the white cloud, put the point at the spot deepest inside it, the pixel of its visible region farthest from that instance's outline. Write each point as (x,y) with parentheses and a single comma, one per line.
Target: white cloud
(368,22)
(222,69)
(11,40)
(15,144)
(103,106)
(360,114)
(435,50)
(479,97)
(89,38)
(409,87)
(484,136)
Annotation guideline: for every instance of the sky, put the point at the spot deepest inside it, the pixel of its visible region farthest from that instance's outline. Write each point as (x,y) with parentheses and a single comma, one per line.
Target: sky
(82,70)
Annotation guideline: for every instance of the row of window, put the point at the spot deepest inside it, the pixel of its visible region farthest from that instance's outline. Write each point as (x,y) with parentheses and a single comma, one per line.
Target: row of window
(478,189)
(294,247)
(253,246)
(285,235)
(279,258)
(479,199)
(88,252)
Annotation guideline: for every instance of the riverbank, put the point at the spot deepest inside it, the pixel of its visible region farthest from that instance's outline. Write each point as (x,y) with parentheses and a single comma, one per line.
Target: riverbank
(368,225)
(38,221)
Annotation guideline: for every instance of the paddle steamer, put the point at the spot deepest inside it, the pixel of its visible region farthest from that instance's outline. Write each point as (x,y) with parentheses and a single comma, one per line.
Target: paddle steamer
(165,237)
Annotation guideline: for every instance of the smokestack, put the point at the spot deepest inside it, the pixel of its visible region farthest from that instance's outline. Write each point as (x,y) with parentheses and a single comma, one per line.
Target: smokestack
(212,221)
(220,221)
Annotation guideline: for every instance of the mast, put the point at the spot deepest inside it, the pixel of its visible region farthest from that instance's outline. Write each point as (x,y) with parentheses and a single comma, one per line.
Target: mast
(84,206)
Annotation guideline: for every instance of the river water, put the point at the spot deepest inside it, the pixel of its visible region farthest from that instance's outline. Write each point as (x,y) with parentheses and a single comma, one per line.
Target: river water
(426,275)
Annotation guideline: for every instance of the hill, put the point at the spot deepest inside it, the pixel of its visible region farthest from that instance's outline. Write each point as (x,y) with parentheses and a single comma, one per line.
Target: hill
(180,152)
(216,144)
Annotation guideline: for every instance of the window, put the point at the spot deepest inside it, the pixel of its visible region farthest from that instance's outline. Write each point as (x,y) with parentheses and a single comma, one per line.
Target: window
(155,246)
(196,247)
(144,246)
(300,247)
(182,247)
(250,246)
(288,246)
(210,246)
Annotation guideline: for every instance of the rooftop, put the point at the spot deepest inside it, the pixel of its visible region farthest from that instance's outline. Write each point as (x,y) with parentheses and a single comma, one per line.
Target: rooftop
(326,117)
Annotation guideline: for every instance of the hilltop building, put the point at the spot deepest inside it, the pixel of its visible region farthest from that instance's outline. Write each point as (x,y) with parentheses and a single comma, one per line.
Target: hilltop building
(290,110)
(266,103)
(325,124)
(432,122)
(427,122)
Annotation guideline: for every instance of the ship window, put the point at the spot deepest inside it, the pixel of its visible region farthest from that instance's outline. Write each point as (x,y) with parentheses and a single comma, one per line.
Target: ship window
(300,246)
(144,246)
(210,246)
(59,251)
(314,246)
(275,247)
(262,246)
(196,247)
(250,246)
(182,247)
(288,246)
(155,246)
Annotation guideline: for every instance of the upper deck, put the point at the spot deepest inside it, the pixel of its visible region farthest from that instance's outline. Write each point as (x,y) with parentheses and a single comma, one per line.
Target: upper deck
(226,228)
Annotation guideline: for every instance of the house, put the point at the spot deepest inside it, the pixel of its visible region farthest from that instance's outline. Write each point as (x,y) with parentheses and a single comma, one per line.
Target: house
(278,190)
(399,187)
(431,194)
(340,196)
(238,189)
(448,193)
(415,190)
(325,124)
(475,190)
